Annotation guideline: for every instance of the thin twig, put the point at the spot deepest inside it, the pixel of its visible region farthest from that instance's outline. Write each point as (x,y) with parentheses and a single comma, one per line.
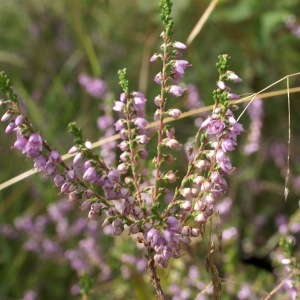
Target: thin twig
(201,21)
(279,286)
(286,188)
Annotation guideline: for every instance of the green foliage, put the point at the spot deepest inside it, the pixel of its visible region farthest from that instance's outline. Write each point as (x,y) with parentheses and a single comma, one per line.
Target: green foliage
(46,45)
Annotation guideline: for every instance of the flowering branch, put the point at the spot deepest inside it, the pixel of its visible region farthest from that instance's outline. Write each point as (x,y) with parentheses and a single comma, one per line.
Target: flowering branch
(126,198)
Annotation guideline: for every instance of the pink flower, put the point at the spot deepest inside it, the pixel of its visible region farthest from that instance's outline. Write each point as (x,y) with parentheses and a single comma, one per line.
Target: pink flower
(20,144)
(228,144)
(120,124)
(235,130)
(180,65)
(233,77)
(221,85)
(179,45)
(231,96)
(154,57)
(216,127)
(142,139)
(141,122)
(118,106)
(90,175)
(175,113)
(19,120)
(176,90)
(226,166)
(158,78)
(123,97)
(172,143)
(152,237)
(40,163)
(54,157)
(10,127)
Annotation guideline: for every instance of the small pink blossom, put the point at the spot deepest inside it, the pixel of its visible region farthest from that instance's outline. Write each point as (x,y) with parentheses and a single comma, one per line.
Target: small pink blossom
(118,106)
(179,45)
(233,77)
(175,113)
(172,143)
(228,144)
(176,90)
(221,85)
(10,127)
(231,96)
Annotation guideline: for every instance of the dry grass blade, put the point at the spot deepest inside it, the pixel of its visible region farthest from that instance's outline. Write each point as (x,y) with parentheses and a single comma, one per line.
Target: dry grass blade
(286,188)
(278,287)
(201,21)
(166,120)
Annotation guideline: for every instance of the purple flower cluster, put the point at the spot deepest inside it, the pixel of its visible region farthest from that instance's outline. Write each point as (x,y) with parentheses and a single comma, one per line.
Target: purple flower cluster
(290,23)
(55,246)
(132,129)
(96,87)
(211,165)
(31,144)
(166,244)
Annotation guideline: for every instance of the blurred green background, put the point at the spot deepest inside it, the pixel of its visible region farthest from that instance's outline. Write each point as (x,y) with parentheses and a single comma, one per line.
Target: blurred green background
(46,45)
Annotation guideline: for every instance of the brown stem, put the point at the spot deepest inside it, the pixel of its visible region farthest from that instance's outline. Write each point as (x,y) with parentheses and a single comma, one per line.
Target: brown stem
(154,279)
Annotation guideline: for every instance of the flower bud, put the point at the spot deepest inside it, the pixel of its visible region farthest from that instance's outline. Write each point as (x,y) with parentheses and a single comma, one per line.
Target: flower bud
(54,157)
(73,150)
(195,232)
(6,116)
(210,199)
(194,192)
(77,158)
(199,205)
(201,218)
(206,186)
(174,113)
(221,85)
(88,145)
(10,127)
(125,156)
(172,143)
(186,205)
(186,239)
(93,215)
(233,77)
(96,206)
(133,229)
(112,211)
(179,45)
(198,180)
(74,196)
(176,90)
(59,180)
(154,57)
(88,193)
(85,206)
(186,192)
(170,177)
(186,231)
(106,222)
(124,146)
(170,132)
(202,164)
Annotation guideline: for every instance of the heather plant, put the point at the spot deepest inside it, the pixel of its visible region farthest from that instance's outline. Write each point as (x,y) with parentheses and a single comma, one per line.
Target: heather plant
(146,195)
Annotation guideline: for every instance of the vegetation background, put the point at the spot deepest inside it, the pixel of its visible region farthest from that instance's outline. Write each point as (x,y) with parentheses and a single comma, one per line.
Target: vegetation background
(46,45)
